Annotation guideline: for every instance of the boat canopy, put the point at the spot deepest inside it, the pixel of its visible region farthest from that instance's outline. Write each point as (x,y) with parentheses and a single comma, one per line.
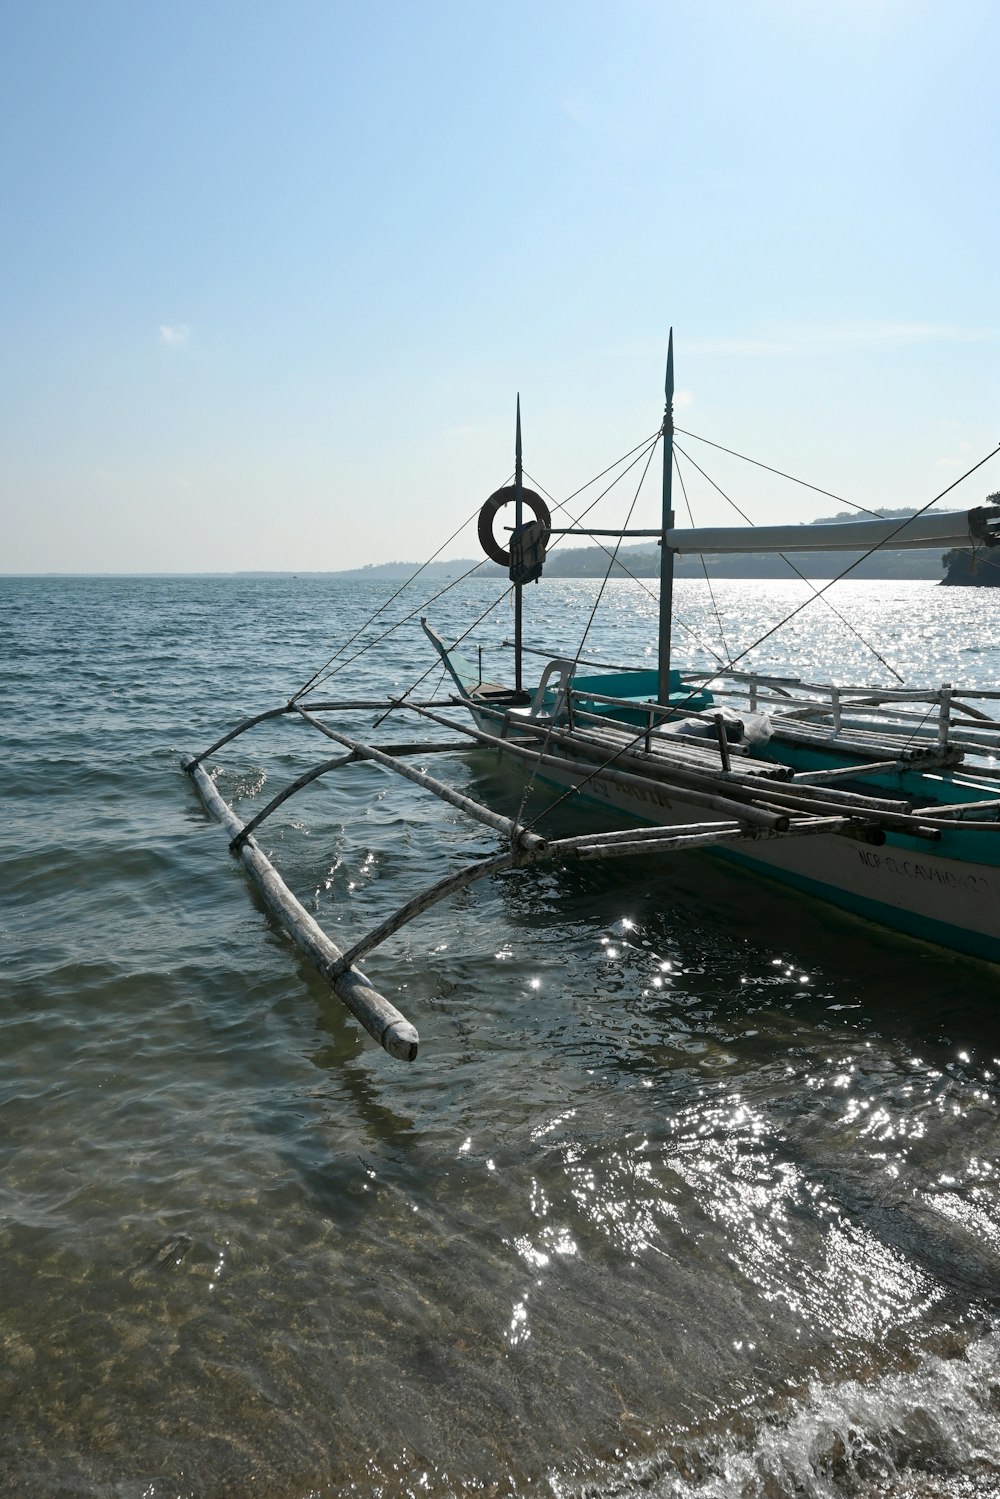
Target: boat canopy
(948,528)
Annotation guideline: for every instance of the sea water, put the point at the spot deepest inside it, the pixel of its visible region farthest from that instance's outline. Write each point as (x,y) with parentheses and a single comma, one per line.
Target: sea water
(691,1190)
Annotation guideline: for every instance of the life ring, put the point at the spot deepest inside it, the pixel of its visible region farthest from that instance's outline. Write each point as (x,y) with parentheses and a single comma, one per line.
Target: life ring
(496,502)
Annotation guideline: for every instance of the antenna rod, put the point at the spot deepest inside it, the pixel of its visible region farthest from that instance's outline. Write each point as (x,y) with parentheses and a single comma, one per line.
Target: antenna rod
(518,518)
(666,553)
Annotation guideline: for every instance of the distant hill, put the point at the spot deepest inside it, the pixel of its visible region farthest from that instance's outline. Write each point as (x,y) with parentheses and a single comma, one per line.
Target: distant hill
(642,560)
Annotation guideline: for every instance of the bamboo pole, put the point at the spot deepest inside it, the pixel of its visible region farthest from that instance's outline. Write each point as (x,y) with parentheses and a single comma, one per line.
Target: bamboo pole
(959,810)
(450,885)
(241,728)
(686,839)
(283,795)
(518,835)
(321,770)
(379,1017)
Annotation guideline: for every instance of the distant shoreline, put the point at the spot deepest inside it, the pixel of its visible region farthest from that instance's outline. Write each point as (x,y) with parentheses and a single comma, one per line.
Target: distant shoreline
(399,572)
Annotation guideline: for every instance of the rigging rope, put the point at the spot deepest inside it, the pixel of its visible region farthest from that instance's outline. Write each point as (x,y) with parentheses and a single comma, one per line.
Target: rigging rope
(400,702)
(530,781)
(797,570)
(704,567)
(453,583)
(318,675)
(563,505)
(804,482)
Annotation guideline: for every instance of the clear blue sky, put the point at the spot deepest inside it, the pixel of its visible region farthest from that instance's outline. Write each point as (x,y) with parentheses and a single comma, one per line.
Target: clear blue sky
(271,276)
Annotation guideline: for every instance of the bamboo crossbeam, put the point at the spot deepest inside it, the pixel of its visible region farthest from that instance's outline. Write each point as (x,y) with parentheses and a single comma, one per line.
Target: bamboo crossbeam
(323,769)
(652,834)
(360,705)
(387,1025)
(706,839)
(500,824)
(427,898)
(283,795)
(241,728)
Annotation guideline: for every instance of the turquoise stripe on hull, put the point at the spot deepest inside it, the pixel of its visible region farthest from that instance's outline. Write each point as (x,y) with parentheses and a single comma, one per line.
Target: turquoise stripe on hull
(943,933)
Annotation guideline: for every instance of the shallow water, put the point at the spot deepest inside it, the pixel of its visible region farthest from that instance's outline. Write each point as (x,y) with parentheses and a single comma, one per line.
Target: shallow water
(692,1188)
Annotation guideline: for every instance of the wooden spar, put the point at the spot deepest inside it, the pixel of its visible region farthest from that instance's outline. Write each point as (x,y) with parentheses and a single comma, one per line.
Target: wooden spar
(380,1019)
(937,530)
(528,842)
(666,554)
(321,770)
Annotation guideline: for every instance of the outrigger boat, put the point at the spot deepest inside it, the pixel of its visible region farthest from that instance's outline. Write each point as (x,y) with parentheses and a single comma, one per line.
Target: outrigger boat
(882,801)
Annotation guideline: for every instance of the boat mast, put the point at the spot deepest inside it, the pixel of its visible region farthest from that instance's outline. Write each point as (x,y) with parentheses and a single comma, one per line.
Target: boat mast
(518,518)
(666,553)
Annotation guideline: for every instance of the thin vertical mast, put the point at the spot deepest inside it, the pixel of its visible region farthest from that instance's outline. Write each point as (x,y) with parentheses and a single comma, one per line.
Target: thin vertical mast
(518,517)
(666,554)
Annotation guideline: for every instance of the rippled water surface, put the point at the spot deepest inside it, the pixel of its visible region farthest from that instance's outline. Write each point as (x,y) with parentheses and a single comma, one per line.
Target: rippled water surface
(691,1190)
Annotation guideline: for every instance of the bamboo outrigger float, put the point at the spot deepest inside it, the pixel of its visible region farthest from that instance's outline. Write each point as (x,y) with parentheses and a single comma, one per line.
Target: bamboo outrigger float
(804,784)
